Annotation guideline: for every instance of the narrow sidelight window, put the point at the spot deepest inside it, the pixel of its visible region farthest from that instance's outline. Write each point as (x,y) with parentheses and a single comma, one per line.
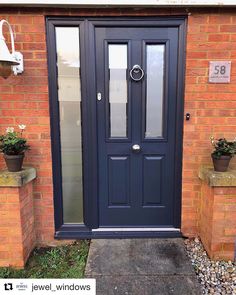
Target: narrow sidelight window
(69,96)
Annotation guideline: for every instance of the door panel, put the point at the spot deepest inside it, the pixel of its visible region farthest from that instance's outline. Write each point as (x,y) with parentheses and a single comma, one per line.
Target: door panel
(136,187)
(152,180)
(118,180)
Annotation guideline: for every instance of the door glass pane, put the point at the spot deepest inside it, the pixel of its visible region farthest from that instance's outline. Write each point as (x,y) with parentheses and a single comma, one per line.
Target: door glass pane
(118,89)
(69,95)
(154,90)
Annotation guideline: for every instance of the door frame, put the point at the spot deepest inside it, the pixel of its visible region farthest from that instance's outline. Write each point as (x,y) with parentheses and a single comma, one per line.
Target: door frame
(89,117)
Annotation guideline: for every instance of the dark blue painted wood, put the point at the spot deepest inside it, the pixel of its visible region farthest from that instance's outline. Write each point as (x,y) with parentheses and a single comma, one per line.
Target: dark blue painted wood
(153,189)
(119,181)
(151,194)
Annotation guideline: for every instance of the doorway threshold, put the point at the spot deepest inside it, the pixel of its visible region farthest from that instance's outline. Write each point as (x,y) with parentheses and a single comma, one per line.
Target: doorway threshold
(76,232)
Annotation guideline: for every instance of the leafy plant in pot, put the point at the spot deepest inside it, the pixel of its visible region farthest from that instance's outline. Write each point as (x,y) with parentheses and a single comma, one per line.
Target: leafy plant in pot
(13,146)
(223,152)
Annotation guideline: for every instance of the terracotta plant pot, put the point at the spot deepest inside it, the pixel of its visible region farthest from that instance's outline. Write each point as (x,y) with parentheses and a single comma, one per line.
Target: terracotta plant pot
(221,164)
(14,162)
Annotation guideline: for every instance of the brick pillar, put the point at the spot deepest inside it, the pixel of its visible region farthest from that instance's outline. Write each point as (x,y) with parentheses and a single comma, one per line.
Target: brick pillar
(218,213)
(17,233)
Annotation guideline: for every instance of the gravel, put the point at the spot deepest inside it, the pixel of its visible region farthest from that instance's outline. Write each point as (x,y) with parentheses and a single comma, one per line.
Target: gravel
(215,277)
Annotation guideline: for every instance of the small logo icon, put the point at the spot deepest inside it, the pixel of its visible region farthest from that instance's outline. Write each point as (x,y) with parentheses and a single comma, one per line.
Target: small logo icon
(21,287)
(8,287)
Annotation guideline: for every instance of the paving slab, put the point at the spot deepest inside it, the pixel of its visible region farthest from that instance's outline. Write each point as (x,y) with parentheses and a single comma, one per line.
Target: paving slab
(146,285)
(141,266)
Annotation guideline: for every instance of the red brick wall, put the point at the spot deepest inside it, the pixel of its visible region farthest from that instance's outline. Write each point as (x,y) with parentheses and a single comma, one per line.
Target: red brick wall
(24,99)
(17,231)
(218,221)
(211,36)
(206,216)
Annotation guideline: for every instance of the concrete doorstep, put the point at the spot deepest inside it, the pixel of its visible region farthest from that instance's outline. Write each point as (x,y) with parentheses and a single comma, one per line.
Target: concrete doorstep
(141,267)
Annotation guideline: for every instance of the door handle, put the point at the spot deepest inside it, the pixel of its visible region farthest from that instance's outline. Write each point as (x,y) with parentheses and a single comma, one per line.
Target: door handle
(136,148)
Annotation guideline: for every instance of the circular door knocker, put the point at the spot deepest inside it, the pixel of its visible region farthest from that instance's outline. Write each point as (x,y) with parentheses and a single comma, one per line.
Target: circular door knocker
(136,70)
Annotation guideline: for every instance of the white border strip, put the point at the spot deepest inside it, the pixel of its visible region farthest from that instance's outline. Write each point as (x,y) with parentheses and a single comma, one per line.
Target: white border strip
(120,229)
(77,3)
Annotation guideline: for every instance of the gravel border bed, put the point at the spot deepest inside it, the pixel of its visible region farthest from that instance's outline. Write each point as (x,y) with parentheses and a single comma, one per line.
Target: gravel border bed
(215,277)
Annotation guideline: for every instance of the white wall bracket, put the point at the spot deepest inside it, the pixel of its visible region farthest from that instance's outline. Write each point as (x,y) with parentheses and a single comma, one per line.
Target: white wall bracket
(18,69)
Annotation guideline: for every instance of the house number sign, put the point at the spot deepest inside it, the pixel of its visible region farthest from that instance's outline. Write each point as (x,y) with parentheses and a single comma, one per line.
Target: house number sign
(219,71)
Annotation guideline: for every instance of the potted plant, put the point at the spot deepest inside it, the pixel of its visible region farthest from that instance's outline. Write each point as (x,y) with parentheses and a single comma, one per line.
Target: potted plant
(13,146)
(223,152)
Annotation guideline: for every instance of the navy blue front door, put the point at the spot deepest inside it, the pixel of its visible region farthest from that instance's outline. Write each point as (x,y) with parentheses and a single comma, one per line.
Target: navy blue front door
(137,74)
